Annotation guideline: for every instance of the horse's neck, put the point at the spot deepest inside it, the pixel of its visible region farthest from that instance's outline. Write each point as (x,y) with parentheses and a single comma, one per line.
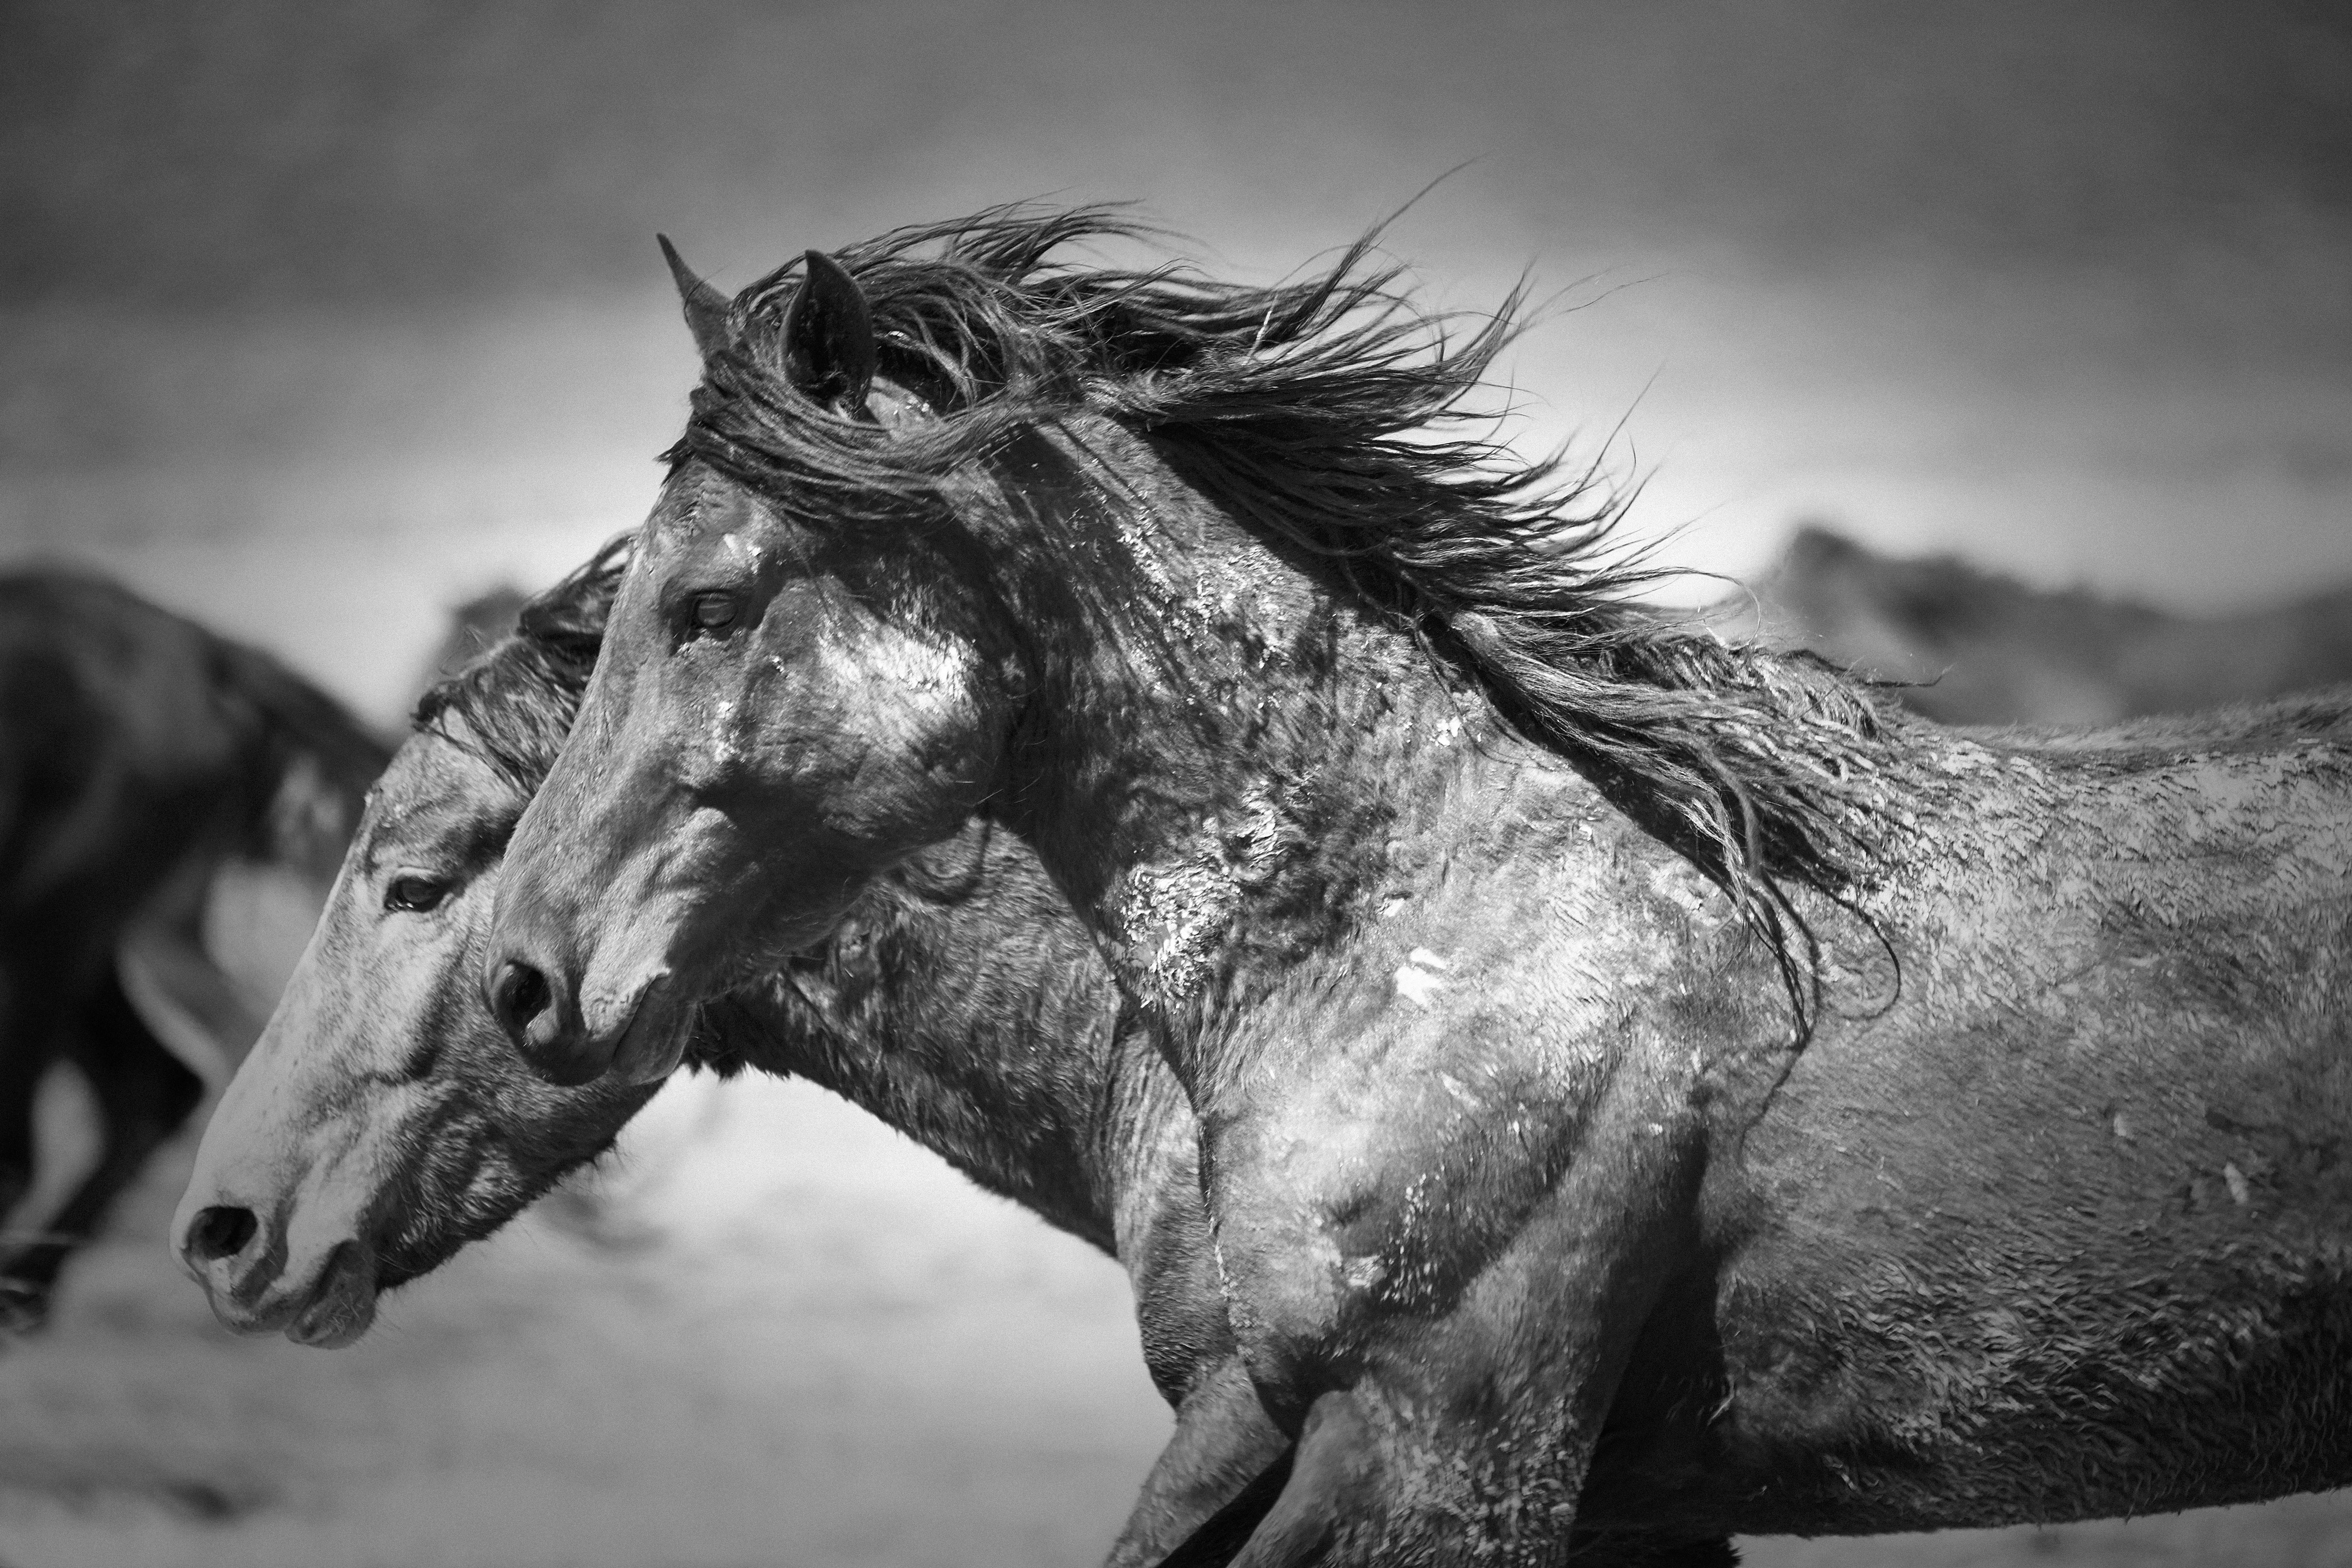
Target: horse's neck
(982,1028)
(1235,744)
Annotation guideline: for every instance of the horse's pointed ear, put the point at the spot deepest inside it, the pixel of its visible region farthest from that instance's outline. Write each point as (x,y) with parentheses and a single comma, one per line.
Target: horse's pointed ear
(705,308)
(829,337)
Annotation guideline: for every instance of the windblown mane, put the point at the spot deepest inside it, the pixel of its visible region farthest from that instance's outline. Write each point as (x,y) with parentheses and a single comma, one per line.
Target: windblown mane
(514,705)
(1337,414)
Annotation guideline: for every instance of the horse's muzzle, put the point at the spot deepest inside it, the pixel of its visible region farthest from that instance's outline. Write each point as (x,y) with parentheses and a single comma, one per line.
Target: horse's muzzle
(242,1268)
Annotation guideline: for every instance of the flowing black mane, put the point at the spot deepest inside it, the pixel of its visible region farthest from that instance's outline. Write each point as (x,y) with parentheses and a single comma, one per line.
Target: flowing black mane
(513,706)
(1339,415)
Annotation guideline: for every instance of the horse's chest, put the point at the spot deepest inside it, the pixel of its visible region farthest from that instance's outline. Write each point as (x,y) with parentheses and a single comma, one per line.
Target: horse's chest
(1373,1171)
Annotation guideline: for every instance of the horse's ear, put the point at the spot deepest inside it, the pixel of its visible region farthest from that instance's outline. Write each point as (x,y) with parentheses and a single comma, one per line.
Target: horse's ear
(829,338)
(705,308)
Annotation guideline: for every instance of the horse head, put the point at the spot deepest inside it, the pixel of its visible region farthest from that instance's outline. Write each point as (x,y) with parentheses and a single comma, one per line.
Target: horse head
(773,690)
(383,1120)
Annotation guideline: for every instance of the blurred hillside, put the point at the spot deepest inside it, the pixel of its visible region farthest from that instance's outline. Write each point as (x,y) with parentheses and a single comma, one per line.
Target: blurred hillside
(264,152)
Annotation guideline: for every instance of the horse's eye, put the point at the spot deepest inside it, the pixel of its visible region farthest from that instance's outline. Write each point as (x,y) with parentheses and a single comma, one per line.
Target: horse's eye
(713,611)
(415,895)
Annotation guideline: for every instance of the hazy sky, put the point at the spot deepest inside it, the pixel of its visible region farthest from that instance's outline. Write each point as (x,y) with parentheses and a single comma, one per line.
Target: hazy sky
(2066,285)
(233,153)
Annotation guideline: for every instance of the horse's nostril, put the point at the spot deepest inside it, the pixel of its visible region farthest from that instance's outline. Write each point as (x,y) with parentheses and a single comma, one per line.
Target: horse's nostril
(221,1232)
(520,996)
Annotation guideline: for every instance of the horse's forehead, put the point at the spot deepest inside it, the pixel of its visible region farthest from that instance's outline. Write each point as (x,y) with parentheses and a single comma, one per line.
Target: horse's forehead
(434,789)
(701,509)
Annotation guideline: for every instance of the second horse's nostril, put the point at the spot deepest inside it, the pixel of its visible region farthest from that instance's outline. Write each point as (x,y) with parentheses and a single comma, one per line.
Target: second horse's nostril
(520,996)
(221,1232)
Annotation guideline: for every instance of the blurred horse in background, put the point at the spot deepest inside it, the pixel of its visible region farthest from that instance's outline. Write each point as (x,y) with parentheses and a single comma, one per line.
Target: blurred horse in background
(138,753)
(476,626)
(1982,647)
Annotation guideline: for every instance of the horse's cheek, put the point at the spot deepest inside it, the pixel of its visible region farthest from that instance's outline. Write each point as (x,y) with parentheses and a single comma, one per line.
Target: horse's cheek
(887,741)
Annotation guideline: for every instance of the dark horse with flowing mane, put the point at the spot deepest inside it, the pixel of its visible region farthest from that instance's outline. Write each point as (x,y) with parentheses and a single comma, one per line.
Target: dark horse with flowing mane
(1961,1111)
(138,750)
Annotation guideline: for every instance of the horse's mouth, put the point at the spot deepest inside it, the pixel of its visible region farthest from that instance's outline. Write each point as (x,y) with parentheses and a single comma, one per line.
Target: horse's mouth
(336,1308)
(342,1306)
(654,1037)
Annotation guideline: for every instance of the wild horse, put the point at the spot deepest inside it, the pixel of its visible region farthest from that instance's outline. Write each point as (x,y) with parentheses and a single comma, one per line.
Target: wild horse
(1536,971)
(383,1121)
(138,750)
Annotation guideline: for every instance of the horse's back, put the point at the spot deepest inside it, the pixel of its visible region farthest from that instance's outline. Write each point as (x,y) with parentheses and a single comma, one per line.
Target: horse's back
(2320,712)
(130,736)
(111,738)
(2065,1219)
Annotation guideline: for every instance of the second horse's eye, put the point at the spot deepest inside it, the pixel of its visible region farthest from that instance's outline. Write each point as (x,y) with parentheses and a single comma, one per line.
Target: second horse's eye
(713,611)
(415,895)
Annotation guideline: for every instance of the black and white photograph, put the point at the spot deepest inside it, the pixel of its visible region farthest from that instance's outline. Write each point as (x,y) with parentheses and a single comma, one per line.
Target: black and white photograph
(1325,784)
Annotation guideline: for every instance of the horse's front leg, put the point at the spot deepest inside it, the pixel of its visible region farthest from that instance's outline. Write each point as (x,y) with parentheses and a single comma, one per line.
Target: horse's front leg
(145,1094)
(1456,1427)
(1214,1482)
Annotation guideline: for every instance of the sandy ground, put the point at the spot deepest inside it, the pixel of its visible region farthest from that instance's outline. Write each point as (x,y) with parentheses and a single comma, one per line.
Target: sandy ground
(836,1352)
(824,1349)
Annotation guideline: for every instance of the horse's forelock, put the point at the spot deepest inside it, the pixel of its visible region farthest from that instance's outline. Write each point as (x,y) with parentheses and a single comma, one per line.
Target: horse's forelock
(514,704)
(513,707)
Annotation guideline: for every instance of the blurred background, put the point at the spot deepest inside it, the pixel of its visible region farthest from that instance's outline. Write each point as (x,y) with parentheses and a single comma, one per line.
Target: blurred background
(316,321)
